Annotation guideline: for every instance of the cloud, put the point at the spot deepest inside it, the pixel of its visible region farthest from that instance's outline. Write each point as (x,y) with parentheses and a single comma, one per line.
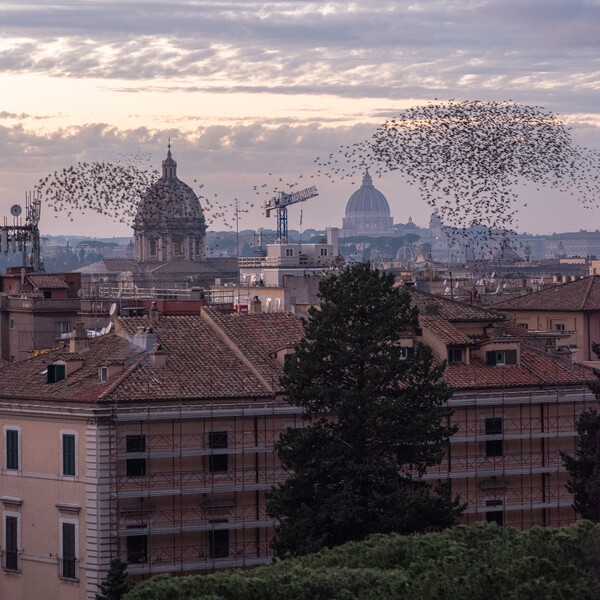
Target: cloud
(369,49)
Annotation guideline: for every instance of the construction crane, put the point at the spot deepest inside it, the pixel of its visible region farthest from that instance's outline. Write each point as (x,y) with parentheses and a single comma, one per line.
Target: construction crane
(280,204)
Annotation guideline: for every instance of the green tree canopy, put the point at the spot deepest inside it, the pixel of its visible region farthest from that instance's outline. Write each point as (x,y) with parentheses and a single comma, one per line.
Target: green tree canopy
(374,421)
(584,467)
(117,583)
(470,563)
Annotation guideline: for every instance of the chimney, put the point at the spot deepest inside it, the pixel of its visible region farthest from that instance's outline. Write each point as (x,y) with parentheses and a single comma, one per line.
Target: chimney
(79,341)
(153,314)
(256,306)
(158,356)
(145,338)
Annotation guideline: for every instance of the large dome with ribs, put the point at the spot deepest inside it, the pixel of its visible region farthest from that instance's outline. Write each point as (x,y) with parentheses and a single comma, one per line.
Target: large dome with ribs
(169,199)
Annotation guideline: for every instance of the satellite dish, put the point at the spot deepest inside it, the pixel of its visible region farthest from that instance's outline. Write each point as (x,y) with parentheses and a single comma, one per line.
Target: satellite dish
(113,309)
(15,210)
(80,293)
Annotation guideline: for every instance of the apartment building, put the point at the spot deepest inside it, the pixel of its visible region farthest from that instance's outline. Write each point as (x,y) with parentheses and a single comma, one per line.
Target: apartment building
(153,443)
(515,407)
(566,315)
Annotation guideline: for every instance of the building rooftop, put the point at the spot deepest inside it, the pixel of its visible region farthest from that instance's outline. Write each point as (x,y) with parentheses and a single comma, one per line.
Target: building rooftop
(579,295)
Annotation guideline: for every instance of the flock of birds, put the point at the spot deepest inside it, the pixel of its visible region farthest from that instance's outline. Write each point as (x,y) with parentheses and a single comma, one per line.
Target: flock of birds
(467,160)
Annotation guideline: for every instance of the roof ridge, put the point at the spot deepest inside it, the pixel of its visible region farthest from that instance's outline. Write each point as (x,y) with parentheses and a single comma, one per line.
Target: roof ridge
(587,293)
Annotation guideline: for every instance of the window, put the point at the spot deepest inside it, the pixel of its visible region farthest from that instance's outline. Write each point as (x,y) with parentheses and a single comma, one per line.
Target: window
(289,252)
(12,449)
(524,325)
(153,248)
(137,549)
(493,426)
(12,323)
(217,463)
(136,467)
(501,357)
(68,454)
(495,516)
(559,326)
(406,352)
(11,543)
(323,251)
(56,373)
(67,562)
(218,543)
(103,373)
(61,327)
(455,355)
(177,249)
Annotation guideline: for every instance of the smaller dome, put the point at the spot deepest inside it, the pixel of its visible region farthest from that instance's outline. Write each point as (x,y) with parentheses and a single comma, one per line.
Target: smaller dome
(169,199)
(367,199)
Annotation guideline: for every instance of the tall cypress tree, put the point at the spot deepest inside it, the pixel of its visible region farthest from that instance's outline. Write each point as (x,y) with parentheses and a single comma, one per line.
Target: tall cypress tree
(584,467)
(374,421)
(117,582)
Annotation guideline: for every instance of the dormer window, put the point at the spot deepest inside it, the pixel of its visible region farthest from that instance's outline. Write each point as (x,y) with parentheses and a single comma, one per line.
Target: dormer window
(501,357)
(406,352)
(455,355)
(103,373)
(56,373)
(323,251)
(153,248)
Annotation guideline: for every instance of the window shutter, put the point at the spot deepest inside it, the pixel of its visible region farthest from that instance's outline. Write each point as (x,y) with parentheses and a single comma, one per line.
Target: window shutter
(490,358)
(68,549)
(68,454)
(511,357)
(11,534)
(12,449)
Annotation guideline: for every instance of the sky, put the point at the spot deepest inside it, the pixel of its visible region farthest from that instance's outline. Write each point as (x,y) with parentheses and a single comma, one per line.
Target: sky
(250,93)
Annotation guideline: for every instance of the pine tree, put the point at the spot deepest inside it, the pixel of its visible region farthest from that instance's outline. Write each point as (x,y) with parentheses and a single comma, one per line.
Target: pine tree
(117,582)
(374,422)
(584,467)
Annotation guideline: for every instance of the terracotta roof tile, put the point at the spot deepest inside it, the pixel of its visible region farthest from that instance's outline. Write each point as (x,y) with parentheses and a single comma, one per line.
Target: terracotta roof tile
(451,310)
(579,295)
(47,282)
(535,369)
(259,336)
(443,330)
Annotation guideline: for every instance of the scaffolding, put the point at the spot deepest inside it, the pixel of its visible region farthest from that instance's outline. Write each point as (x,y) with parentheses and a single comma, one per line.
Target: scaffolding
(189,485)
(189,481)
(504,459)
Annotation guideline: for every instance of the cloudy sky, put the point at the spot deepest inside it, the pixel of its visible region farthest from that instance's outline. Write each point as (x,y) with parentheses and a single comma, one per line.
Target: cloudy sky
(251,92)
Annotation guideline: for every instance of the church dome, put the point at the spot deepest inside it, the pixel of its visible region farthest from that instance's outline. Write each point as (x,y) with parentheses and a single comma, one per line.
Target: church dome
(169,223)
(168,199)
(367,212)
(367,199)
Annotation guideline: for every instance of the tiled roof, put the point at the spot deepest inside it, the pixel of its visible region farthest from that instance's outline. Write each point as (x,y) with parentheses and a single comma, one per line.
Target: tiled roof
(578,295)
(28,378)
(47,282)
(199,364)
(443,330)
(258,336)
(451,310)
(536,369)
